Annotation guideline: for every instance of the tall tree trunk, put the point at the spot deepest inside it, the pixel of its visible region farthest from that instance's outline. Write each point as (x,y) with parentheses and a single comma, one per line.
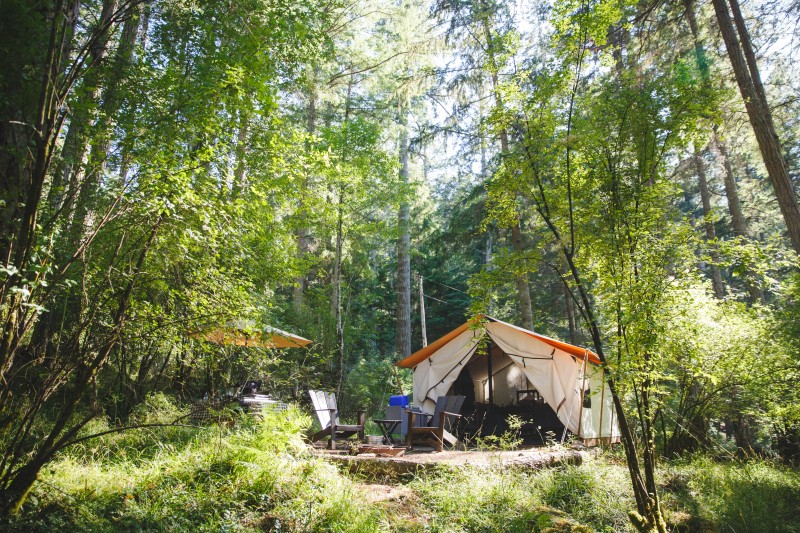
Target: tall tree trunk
(523,287)
(487,261)
(303,234)
(337,295)
(488,250)
(744,440)
(738,221)
(708,224)
(66,178)
(337,267)
(570,307)
(748,78)
(105,95)
(403,340)
(699,51)
(731,192)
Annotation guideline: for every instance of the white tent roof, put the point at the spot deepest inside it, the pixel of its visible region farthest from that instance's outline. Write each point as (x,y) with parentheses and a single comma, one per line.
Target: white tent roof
(559,371)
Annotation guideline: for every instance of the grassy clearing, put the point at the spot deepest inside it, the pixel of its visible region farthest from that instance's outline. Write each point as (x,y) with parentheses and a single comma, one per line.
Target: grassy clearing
(259,476)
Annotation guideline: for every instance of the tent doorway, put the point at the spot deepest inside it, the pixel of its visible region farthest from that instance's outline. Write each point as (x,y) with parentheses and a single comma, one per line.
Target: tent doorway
(489,403)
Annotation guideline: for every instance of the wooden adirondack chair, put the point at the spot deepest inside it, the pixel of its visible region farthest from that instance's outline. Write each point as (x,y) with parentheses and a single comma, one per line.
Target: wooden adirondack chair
(328,416)
(438,427)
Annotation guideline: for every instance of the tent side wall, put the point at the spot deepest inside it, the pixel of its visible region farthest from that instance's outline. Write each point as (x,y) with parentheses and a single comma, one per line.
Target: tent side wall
(598,418)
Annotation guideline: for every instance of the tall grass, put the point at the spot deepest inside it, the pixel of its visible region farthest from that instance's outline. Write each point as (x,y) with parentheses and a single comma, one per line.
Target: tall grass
(256,476)
(595,493)
(738,496)
(698,495)
(477,500)
(569,498)
(260,476)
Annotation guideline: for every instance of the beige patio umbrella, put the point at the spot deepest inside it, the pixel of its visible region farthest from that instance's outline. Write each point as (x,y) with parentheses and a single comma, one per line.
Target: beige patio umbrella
(245,333)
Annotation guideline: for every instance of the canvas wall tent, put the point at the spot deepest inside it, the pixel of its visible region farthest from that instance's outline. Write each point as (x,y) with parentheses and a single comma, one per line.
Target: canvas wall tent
(568,378)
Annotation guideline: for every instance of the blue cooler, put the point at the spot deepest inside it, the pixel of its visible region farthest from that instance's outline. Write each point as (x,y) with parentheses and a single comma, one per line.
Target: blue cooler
(401,401)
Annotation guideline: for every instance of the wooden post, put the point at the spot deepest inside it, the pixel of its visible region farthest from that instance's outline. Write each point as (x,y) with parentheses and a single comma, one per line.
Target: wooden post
(602,402)
(489,409)
(611,427)
(583,391)
(422,313)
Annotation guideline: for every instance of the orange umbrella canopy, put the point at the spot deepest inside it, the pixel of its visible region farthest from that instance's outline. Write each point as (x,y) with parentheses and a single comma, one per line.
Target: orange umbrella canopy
(246,334)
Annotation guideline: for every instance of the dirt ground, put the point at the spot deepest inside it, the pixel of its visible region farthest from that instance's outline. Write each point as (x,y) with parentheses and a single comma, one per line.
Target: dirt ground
(400,502)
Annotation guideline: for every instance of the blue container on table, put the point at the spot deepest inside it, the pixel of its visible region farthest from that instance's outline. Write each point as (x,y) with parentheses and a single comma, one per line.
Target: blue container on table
(402,401)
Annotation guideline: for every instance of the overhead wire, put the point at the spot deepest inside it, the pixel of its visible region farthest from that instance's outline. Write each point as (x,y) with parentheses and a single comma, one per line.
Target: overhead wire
(434,298)
(444,285)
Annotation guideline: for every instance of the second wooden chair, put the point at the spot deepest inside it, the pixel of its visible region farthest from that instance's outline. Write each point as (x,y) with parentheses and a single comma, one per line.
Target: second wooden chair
(439,426)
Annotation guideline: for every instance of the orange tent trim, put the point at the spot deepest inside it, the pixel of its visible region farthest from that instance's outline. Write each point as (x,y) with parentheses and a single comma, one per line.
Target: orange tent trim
(420,355)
